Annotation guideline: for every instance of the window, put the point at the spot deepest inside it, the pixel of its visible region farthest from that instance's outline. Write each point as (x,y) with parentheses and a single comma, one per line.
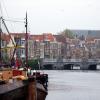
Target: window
(22,51)
(22,42)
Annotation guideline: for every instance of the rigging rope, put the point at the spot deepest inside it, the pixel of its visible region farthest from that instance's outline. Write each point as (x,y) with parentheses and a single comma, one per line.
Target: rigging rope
(14,20)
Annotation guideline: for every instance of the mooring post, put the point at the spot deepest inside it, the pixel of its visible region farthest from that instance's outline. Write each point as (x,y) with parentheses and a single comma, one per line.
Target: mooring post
(32,91)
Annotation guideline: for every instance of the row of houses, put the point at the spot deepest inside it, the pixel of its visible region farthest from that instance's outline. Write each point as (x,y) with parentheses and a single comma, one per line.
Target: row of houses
(51,46)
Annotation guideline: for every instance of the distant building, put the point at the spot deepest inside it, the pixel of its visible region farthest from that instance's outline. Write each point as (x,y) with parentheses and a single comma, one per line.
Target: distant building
(86,33)
(5,51)
(46,46)
(52,46)
(19,39)
(42,45)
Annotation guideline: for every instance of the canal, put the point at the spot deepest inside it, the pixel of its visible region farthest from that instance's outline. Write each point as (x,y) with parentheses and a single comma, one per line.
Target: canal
(73,85)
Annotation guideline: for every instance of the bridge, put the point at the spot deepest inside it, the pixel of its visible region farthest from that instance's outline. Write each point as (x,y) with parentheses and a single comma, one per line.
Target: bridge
(83,64)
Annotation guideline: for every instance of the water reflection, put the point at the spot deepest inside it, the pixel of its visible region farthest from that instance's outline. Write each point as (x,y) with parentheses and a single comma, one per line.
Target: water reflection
(73,85)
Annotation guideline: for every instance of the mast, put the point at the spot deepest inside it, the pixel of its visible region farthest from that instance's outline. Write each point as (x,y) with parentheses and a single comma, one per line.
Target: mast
(26,45)
(0,29)
(0,37)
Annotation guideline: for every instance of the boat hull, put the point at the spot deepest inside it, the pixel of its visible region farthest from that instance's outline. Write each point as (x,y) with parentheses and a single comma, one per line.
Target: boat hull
(41,92)
(20,91)
(13,91)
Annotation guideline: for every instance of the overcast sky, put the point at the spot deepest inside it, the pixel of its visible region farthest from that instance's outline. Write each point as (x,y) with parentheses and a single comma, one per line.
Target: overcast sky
(53,15)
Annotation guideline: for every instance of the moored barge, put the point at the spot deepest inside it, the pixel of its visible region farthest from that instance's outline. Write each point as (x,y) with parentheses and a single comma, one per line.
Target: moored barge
(21,87)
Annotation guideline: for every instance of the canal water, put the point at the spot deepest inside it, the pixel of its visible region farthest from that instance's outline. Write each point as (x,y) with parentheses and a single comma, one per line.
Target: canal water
(73,85)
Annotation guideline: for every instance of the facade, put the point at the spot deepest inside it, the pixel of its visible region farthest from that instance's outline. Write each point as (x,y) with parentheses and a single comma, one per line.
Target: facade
(20,42)
(46,46)
(62,47)
(52,46)
(5,50)
(55,50)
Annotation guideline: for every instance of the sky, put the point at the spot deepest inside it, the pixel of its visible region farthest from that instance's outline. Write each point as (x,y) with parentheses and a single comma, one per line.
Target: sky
(51,16)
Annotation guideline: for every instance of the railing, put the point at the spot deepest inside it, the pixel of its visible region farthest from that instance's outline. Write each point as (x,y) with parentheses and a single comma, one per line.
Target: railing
(63,60)
(93,60)
(70,60)
(49,60)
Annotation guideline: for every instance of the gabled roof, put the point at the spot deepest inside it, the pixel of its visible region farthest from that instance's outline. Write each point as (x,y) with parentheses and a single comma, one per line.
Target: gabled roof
(44,36)
(60,38)
(5,37)
(20,35)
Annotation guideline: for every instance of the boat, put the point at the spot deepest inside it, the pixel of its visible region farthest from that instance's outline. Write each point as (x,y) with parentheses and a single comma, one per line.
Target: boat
(21,87)
(16,84)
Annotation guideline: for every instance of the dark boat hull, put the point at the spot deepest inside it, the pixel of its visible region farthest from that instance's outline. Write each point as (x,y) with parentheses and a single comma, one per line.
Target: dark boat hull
(20,91)
(41,92)
(13,91)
